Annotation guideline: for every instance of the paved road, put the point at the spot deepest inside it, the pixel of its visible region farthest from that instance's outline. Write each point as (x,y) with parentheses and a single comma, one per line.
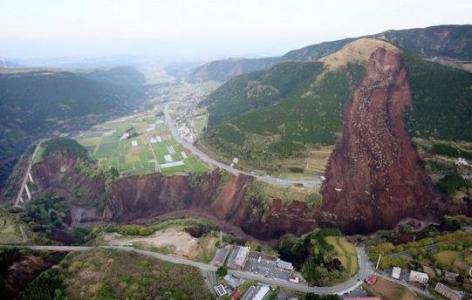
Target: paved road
(365,268)
(25,178)
(313,182)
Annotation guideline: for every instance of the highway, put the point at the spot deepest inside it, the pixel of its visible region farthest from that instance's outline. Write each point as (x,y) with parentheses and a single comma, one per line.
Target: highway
(310,183)
(365,268)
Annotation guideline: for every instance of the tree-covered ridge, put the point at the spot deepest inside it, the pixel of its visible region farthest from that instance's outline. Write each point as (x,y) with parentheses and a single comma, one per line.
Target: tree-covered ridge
(298,104)
(446,41)
(61,145)
(36,104)
(442,101)
(259,89)
(452,41)
(276,114)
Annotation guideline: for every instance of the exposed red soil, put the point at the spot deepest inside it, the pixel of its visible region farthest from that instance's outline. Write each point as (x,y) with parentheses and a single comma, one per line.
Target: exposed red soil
(285,216)
(57,173)
(22,272)
(374,177)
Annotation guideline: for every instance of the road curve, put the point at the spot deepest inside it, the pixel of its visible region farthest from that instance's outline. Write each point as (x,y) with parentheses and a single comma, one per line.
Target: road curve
(310,183)
(365,268)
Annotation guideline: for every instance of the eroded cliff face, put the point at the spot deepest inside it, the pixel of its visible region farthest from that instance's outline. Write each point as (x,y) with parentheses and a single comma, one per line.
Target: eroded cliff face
(284,216)
(374,177)
(217,195)
(139,197)
(59,174)
(20,273)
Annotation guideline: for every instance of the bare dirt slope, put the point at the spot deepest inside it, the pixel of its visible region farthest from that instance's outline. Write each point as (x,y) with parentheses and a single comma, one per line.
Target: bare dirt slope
(374,177)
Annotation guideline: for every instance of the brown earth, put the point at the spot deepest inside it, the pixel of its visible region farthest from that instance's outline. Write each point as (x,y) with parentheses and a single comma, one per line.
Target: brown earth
(57,173)
(20,273)
(143,198)
(375,177)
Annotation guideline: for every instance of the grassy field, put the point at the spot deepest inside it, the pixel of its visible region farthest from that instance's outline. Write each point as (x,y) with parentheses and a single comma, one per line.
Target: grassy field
(150,149)
(10,232)
(346,252)
(446,258)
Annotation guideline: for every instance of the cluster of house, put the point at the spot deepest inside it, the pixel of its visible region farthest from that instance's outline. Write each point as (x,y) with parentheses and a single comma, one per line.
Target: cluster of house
(243,259)
(423,278)
(254,292)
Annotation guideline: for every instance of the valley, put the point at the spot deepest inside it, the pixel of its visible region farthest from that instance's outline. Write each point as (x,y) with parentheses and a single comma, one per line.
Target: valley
(321,172)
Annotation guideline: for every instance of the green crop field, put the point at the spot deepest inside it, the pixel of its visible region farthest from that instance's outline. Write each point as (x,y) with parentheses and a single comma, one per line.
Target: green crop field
(149,147)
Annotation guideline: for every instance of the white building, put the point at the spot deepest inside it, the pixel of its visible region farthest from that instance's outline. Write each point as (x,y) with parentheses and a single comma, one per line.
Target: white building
(220,290)
(396,271)
(418,277)
(262,292)
(134,143)
(284,264)
(238,257)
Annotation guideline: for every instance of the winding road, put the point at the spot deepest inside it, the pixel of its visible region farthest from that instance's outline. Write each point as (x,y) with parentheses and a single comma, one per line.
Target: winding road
(310,183)
(365,269)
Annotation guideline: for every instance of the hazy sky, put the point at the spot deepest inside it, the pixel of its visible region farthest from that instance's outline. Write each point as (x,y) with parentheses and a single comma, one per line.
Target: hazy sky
(204,29)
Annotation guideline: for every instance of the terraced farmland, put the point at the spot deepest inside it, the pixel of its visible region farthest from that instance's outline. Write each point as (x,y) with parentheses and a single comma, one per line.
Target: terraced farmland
(138,144)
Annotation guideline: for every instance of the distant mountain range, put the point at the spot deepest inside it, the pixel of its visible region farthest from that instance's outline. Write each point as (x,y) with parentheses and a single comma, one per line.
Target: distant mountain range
(37,103)
(445,41)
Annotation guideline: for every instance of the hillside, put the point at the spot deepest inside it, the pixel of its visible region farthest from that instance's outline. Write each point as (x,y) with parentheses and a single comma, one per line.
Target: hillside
(40,103)
(221,70)
(96,274)
(261,119)
(445,41)
(375,155)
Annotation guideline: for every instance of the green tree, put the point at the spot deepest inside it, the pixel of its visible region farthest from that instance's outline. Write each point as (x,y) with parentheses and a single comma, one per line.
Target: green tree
(222,271)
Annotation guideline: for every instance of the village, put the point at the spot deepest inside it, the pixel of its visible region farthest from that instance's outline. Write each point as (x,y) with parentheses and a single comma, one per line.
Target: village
(241,258)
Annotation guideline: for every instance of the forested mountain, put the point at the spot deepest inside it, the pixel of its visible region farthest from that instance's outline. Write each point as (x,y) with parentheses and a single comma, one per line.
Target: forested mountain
(292,107)
(445,41)
(37,104)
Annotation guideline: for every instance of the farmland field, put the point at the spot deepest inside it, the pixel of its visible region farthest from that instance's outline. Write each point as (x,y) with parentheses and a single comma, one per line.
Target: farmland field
(138,144)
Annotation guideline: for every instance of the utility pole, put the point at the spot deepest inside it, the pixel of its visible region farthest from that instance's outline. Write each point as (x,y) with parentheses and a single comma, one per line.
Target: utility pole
(378,262)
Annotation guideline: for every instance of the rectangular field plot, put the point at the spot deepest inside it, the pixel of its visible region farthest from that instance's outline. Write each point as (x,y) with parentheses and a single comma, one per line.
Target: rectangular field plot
(138,144)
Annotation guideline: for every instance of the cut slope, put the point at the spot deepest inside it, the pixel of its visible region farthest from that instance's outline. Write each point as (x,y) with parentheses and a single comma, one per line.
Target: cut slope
(374,177)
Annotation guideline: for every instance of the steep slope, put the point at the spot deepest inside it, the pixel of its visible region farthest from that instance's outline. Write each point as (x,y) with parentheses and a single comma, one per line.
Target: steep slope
(265,122)
(264,127)
(88,193)
(374,177)
(40,103)
(444,41)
